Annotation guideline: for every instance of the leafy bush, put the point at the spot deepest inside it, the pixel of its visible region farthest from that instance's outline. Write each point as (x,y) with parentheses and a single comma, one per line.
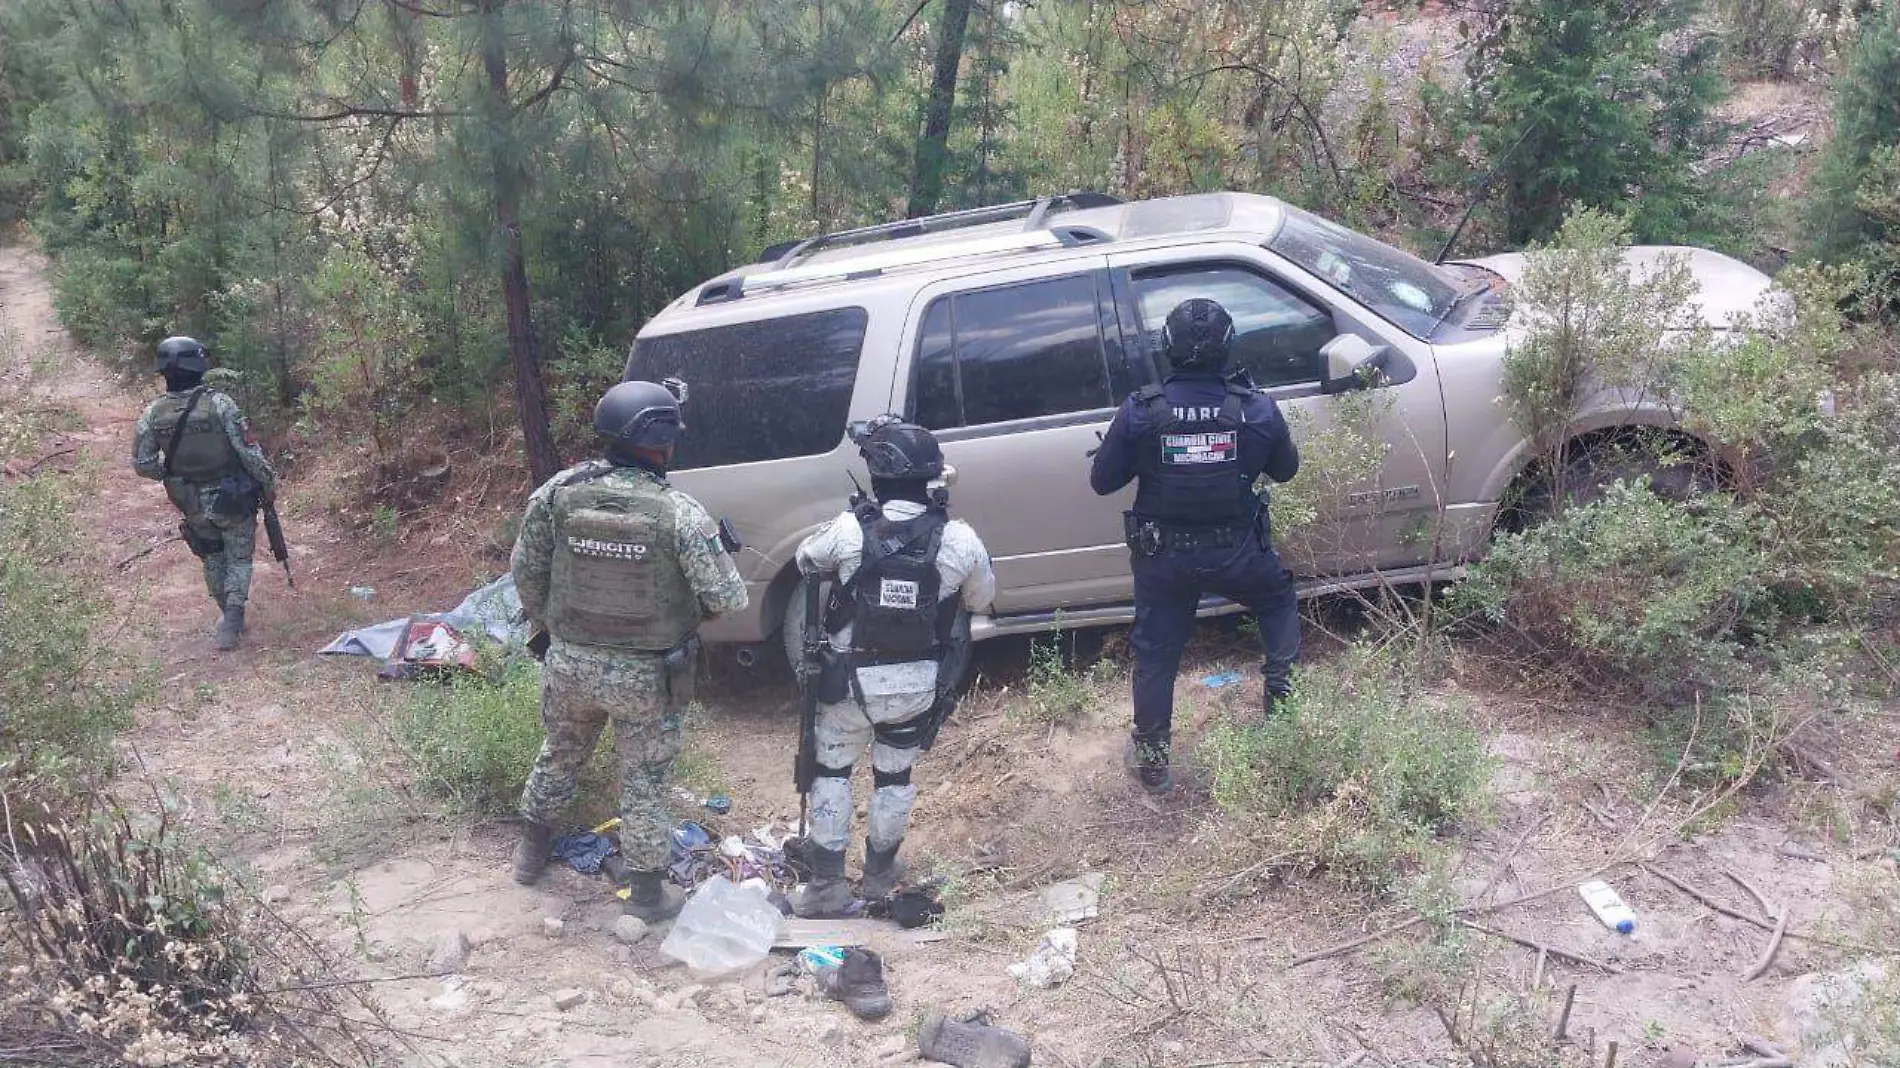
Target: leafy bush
(473,740)
(1360,777)
(1059,691)
(64,692)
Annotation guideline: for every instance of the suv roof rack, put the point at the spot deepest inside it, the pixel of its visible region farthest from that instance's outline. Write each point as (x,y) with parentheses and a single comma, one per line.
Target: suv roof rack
(876,264)
(783,255)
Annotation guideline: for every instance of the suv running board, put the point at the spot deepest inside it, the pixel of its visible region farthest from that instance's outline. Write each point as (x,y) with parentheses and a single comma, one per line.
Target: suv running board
(985,627)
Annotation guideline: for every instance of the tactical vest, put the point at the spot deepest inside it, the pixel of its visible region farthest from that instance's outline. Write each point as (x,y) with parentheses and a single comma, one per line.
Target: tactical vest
(1189,468)
(204,452)
(894,605)
(616,577)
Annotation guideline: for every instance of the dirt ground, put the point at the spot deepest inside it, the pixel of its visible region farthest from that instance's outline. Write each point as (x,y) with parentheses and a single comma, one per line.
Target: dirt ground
(269,753)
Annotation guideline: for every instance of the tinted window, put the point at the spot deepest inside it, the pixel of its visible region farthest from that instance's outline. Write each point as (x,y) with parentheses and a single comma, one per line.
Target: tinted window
(1015,352)
(1277,335)
(759,391)
(1404,290)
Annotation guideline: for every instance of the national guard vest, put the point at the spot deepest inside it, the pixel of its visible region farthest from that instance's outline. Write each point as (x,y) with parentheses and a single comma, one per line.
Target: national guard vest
(894,593)
(616,577)
(204,452)
(1189,465)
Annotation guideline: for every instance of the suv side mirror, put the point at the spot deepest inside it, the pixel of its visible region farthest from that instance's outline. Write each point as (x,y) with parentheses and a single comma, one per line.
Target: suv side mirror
(1352,363)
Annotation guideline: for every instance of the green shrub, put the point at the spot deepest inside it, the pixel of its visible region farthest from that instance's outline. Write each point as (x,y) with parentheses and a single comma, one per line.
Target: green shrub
(1360,778)
(1060,692)
(473,740)
(64,692)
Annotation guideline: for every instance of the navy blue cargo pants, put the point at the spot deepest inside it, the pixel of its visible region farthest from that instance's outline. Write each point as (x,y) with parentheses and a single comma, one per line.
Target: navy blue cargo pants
(1169,587)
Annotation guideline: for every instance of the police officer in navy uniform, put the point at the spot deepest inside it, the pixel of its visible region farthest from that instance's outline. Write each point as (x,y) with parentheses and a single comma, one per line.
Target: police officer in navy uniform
(1194,446)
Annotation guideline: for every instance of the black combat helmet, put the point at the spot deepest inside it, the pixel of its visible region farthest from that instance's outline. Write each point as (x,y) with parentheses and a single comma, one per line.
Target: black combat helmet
(182,353)
(644,414)
(1197,335)
(895,449)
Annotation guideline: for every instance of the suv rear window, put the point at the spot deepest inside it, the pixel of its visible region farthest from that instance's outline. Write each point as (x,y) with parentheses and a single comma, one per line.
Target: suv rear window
(1013,352)
(767,390)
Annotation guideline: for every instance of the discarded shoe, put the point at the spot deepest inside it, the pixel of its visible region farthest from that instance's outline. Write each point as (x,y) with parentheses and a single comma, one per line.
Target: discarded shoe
(859,983)
(531,854)
(971,1045)
(653,898)
(1148,762)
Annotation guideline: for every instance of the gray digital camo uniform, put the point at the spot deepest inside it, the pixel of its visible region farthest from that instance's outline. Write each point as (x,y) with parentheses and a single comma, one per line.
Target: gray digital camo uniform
(585,687)
(893,693)
(228,571)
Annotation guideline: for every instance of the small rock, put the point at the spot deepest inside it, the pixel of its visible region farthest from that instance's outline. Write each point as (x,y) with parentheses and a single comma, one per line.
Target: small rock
(450,953)
(552,927)
(277,894)
(831,1032)
(684,996)
(568,998)
(622,990)
(1676,1058)
(758,1013)
(891,1046)
(1173,1049)
(623,954)
(630,929)
(727,997)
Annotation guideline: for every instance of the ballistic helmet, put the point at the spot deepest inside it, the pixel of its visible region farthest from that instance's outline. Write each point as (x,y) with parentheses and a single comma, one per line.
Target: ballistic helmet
(644,414)
(895,449)
(1197,335)
(181,353)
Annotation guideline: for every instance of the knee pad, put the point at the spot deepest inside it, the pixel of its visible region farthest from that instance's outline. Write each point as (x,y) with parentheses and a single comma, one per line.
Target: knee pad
(880,779)
(835,773)
(908,734)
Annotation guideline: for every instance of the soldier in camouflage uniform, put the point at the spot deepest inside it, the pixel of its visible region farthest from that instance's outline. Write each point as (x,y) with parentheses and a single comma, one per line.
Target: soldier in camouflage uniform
(620,569)
(197,442)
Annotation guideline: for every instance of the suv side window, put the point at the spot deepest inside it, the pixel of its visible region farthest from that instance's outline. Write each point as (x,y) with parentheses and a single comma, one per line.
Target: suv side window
(1277,333)
(1013,352)
(763,390)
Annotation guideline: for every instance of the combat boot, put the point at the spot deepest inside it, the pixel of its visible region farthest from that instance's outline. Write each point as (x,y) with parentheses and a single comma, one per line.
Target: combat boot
(653,898)
(827,896)
(882,871)
(531,855)
(230,626)
(971,1045)
(1148,762)
(859,983)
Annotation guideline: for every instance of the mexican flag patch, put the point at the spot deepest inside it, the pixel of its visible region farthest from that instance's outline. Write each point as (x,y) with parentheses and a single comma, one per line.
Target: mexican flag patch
(1178,450)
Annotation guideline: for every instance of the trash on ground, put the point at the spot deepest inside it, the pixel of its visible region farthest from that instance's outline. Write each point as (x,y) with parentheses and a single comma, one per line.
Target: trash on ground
(723,929)
(492,611)
(732,846)
(1052,963)
(428,649)
(797,933)
(720,804)
(857,981)
(1608,905)
(362,593)
(972,1044)
(1074,900)
(1225,678)
(584,850)
(813,958)
(909,908)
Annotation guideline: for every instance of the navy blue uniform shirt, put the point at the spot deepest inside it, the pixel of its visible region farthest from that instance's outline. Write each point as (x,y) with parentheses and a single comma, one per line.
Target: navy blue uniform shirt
(1266,446)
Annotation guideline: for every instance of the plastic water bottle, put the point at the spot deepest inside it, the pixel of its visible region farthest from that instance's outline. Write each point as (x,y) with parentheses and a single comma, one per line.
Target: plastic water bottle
(1608,905)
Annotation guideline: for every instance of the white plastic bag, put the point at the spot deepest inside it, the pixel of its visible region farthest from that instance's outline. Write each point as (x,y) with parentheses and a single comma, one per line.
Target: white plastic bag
(723,929)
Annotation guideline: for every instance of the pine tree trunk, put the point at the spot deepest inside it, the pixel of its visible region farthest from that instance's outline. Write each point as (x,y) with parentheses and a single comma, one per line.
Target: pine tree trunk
(933,144)
(531,395)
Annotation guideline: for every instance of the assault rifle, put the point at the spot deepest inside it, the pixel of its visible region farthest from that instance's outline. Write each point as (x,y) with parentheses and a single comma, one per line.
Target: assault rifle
(805,766)
(274,533)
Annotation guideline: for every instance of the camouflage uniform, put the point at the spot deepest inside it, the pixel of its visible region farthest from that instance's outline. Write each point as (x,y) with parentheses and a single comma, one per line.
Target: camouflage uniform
(586,686)
(228,570)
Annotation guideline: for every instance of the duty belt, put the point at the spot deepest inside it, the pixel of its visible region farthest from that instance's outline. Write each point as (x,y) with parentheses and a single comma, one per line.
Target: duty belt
(1150,538)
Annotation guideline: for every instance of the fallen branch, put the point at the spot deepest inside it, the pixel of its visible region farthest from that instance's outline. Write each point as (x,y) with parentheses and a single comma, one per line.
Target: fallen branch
(1774,946)
(1761,901)
(1345,947)
(35,465)
(141,554)
(1542,948)
(1705,898)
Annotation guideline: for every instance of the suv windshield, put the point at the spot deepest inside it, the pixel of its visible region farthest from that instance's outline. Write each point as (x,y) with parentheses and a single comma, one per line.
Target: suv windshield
(759,391)
(1403,289)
